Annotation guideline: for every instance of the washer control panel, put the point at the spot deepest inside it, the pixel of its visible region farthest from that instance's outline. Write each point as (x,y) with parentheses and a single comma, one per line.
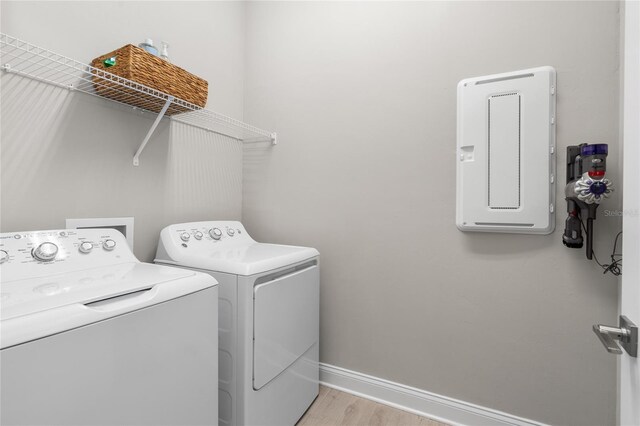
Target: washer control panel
(37,253)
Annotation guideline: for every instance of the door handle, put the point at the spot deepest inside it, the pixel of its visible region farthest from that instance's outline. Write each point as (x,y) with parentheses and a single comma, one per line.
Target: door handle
(626,334)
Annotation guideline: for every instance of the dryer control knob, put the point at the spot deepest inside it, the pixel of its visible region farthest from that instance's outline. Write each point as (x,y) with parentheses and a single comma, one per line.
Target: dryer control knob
(215,233)
(85,247)
(108,245)
(185,236)
(4,256)
(45,252)
(198,235)
(230,232)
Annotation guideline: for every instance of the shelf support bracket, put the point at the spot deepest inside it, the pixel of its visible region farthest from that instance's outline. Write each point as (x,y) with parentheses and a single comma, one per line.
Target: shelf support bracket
(136,158)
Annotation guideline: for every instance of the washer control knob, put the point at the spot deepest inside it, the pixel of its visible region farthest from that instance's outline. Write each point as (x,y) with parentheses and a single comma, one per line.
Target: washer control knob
(230,232)
(198,235)
(109,245)
(4,256)
(215,233)
(85,247)
(185,236)
(45,252)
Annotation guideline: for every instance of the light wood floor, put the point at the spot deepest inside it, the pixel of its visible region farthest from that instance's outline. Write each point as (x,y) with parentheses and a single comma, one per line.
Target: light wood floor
(333,407)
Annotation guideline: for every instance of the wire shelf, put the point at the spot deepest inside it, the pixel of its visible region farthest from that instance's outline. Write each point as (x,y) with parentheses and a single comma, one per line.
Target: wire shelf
(28,60)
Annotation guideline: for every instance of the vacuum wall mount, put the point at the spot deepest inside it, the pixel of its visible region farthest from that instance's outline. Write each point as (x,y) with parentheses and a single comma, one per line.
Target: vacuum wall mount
(586,187)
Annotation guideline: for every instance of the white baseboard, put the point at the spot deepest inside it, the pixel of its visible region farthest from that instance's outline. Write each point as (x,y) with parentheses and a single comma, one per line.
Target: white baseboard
(418,401)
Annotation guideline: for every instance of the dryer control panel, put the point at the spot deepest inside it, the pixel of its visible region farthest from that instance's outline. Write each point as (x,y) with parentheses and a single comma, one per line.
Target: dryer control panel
(202,234)
(38,253)
(224,246)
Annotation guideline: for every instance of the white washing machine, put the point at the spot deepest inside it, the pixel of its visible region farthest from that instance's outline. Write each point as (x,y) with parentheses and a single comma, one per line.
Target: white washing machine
(268,318)
(91,336)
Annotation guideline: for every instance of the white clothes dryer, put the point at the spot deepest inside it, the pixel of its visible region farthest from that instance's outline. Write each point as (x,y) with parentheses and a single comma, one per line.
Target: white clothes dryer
(268,318)
(91,336)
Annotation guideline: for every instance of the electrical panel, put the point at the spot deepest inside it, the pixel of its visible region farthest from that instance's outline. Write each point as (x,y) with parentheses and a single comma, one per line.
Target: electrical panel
(506,152)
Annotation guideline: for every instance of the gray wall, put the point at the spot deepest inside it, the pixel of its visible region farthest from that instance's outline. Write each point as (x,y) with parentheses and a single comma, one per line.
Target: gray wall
(363,96)
(68,155)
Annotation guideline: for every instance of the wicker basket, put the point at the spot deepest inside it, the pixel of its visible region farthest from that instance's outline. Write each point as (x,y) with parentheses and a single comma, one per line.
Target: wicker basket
(140,66)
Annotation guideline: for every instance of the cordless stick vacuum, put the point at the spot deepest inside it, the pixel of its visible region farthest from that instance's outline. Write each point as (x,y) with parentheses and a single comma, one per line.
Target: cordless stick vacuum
(586,188)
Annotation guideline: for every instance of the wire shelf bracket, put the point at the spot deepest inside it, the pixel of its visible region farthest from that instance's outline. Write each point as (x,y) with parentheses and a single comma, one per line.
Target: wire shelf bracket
(136,158)
(28,60)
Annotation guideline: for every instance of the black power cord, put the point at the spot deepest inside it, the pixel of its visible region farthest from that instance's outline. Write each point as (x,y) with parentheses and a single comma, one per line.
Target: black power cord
(615,267)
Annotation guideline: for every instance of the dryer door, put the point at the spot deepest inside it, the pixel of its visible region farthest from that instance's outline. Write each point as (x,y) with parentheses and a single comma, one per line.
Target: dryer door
(286,322)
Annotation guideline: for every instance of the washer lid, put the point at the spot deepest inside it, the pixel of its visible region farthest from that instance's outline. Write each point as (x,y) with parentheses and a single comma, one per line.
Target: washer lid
(30,296)
(244,259)
(36,308)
